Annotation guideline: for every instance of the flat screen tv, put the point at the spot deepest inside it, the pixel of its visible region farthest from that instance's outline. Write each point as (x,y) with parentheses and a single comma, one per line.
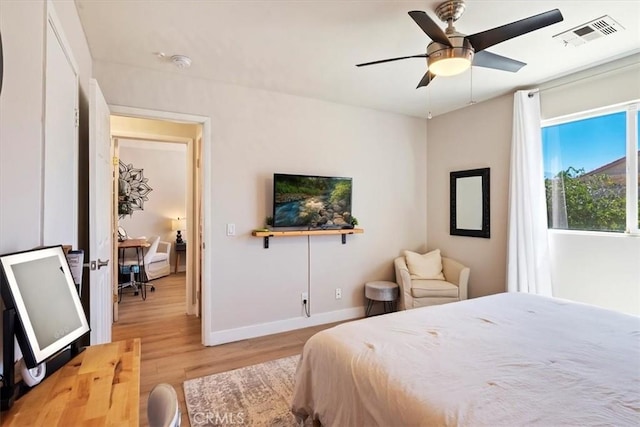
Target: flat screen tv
(308,201)
(39,286)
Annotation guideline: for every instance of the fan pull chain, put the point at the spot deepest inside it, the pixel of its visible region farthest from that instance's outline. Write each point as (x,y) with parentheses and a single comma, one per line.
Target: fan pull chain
(471,101)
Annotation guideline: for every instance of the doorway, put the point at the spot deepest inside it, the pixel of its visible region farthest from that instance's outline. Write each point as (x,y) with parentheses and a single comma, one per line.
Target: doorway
(153,127)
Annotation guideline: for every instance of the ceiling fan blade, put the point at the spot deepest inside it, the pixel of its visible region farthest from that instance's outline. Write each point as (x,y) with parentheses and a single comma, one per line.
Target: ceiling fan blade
(485,39)
(431,28)
(426,79)
(491,60)
(422,55)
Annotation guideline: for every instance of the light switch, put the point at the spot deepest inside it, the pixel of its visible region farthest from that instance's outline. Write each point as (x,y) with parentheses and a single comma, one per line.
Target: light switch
(231,229)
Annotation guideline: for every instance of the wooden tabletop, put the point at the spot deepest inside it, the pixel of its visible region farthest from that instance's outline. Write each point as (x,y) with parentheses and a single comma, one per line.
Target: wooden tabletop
(133,243)
(100,386)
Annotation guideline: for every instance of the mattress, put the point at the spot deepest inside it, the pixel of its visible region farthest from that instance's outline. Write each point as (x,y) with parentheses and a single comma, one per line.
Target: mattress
(504,360)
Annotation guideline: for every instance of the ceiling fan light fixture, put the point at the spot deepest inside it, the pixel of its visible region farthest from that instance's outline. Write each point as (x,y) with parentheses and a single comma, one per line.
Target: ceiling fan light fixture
(449,66)
(449,61)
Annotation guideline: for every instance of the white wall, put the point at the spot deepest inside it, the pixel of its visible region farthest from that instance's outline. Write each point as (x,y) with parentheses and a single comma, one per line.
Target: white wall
(21,115)
(21,109)
(602,269)
(256,133)
(477,136)
(165,166)
(609,84)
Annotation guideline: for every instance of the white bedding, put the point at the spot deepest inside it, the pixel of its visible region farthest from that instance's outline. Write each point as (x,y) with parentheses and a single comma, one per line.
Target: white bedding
(503,360)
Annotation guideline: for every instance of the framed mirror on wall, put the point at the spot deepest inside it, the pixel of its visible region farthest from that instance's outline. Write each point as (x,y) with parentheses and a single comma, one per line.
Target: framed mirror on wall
(469,203)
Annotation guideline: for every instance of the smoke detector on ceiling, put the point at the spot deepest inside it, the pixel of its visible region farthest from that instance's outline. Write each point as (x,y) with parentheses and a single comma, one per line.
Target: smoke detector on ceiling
(598,28)
(181,61)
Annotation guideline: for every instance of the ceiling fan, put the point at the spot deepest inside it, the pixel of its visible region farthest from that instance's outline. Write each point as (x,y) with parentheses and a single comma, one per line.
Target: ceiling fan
(451,52)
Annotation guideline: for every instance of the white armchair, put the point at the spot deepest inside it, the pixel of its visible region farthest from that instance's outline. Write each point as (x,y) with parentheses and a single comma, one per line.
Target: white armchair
(415,292)
(156,260)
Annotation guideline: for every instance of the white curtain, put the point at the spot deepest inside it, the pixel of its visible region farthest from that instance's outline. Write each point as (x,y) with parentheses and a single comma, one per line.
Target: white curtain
(528,266)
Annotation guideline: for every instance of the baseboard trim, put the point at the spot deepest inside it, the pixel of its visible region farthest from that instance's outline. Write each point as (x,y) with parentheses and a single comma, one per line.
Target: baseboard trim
(253,331)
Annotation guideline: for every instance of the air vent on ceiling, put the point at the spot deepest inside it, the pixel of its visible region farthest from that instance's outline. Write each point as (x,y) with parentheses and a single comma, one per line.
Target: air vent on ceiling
(598,28)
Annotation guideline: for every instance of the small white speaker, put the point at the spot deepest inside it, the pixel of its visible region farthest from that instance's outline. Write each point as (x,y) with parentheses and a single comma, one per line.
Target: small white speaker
(32,376)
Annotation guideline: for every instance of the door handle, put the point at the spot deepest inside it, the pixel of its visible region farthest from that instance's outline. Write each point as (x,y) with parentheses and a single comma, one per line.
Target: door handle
(96,265)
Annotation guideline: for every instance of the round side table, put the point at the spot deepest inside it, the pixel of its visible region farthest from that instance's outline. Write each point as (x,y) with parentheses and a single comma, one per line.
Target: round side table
(386,292)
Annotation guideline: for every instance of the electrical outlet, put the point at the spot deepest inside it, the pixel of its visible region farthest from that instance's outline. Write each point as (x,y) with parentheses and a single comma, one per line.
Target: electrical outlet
(231,229)
(338,293)
(304,297)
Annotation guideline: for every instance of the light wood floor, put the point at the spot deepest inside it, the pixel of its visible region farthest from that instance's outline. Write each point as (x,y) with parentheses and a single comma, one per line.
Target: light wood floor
(171,342)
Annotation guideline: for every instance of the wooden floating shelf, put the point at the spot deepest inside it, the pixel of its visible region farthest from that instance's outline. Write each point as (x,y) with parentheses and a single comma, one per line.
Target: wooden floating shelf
(291,233)
(275,233)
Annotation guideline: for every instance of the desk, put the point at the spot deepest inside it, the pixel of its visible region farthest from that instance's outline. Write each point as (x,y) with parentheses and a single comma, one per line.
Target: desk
(100,386)
(180,248)
(138,245)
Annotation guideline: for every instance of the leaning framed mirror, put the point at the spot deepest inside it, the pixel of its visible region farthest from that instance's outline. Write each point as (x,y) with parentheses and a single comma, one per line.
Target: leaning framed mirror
(469,203)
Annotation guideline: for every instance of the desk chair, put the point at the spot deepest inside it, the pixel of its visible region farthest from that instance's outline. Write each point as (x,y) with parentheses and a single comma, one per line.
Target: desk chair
(156,260)
(133,266)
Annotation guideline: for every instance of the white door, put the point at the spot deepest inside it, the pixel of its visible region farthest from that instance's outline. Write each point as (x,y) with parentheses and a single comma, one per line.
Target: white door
(100,217)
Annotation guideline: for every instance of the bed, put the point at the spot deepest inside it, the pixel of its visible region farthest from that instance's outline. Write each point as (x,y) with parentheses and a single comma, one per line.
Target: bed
(504,360)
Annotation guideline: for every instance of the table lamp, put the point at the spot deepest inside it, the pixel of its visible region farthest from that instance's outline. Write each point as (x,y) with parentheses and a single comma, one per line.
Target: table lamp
(179,225)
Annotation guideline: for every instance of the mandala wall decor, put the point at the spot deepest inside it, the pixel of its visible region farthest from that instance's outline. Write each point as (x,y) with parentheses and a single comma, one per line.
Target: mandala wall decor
(132,190)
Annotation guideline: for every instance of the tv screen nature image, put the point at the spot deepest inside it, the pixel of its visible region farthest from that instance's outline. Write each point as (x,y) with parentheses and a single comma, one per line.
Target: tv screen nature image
(311,201)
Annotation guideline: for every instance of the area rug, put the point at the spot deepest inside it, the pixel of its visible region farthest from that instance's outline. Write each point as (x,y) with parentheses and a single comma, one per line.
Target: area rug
(258,395)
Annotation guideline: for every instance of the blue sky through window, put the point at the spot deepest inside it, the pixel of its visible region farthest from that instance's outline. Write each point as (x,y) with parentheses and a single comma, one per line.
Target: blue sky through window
(586,144)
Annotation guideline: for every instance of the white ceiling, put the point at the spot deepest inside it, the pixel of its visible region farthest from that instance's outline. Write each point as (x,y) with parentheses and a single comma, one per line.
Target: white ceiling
(310,48)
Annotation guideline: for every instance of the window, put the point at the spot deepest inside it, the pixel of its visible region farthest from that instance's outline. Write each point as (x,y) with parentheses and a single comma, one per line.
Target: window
(591,170)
